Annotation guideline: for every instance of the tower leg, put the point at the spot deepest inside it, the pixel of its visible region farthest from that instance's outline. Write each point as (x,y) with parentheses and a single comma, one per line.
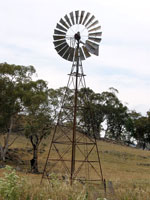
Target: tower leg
(74,152)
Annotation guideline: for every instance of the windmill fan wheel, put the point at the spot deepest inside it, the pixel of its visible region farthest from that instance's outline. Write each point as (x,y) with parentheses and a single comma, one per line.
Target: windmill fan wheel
(78,26)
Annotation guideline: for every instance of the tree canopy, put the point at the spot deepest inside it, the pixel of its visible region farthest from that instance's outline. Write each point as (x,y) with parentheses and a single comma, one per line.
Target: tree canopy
(32,107)
(12,81)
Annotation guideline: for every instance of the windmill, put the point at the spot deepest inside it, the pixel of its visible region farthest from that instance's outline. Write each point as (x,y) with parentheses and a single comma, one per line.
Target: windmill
(71,152)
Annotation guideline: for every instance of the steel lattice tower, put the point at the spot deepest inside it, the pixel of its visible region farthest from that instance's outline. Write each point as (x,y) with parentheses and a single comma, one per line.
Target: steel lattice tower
(73,152)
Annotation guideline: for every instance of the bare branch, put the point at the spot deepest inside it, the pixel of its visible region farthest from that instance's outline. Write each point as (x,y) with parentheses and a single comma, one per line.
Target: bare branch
(13,141)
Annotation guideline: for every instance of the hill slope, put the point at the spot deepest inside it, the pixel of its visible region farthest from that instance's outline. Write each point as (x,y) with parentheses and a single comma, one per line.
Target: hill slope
(127,168)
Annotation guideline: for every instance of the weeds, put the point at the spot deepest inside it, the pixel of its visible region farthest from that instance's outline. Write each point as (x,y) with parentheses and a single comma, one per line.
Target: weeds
(11,186)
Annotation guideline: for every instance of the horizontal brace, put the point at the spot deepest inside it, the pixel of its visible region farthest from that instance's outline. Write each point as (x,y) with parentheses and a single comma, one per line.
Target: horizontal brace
(86,180)
(85,161)
(75,74)
(76,143)
(72,107)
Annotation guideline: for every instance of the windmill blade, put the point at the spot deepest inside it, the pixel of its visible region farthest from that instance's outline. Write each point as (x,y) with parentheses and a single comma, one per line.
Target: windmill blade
(61,27)
(60,47)
(92,44)
(95,39)
(93,24)
(61,53)
(58,37)
(66,54)
(76,55)
(63,50)
(86,52)
(94,29)
(81,17)
(59,42)
(92,47)
(64,23)
(86,17)
(95,34)
(72,17)
(81,54)
(77,16)
(70,57)
(90,20)
(67,20)
(57,32)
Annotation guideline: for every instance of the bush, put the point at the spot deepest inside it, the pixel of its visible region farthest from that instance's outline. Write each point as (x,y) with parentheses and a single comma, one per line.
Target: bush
(11,186)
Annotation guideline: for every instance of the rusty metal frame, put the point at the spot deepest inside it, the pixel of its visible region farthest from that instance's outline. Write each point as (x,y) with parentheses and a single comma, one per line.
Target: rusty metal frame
(77,80)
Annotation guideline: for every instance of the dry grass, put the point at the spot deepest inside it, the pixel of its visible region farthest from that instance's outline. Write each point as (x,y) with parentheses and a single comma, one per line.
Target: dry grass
(128,168)
(121,163)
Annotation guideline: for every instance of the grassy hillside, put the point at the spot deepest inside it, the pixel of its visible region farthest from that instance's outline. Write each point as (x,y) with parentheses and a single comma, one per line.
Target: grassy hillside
(127,168)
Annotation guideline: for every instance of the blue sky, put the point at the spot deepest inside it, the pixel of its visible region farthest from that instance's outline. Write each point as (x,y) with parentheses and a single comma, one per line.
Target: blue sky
(26,29)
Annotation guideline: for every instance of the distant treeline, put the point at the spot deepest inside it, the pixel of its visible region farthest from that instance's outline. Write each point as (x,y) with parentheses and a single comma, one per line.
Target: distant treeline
(31,108)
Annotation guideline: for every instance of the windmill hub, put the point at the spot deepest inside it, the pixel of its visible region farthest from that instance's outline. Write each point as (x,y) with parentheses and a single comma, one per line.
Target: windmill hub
(77,36)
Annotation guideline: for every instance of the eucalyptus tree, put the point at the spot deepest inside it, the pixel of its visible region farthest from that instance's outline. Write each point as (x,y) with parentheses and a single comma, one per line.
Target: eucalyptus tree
(116,115)
(91,113)
(12,79)
(141,129)
(89,110)
(38,119)
(60,100)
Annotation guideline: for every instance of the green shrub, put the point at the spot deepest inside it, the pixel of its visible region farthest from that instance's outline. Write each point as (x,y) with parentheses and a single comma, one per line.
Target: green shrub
(11,186)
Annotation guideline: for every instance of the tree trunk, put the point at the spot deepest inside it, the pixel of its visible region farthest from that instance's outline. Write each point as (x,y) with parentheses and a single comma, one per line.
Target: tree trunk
(34,160)
(2,155)
(4,149)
